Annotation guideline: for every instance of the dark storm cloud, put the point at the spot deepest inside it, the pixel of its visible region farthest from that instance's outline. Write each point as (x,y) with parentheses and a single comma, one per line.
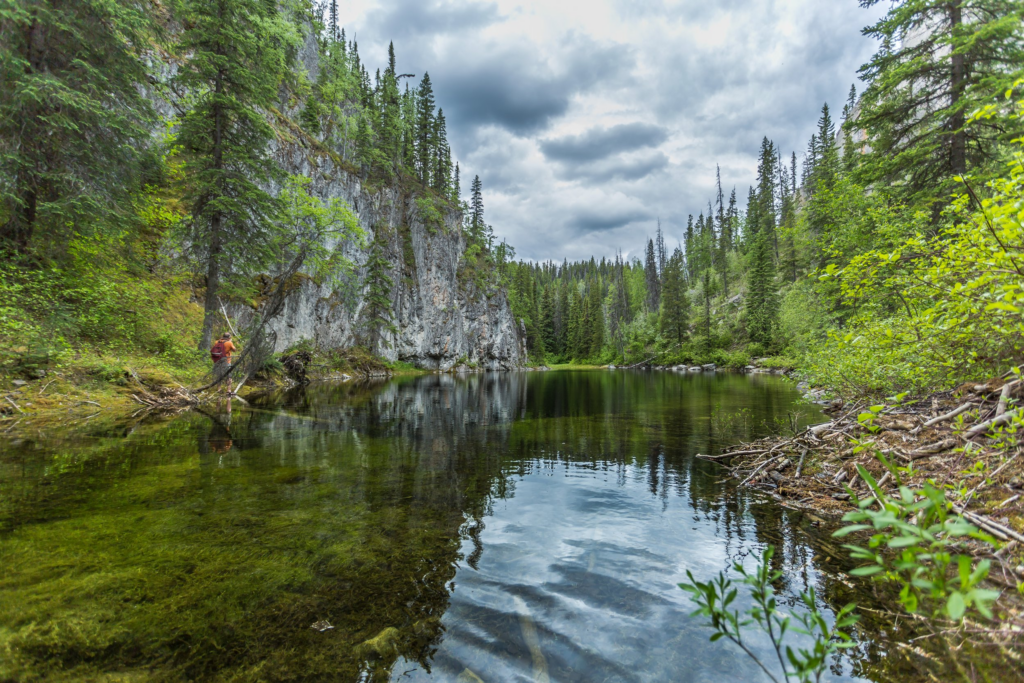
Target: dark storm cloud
(516,88)
(588,219)
(618,168)
(403,19)
(600,143)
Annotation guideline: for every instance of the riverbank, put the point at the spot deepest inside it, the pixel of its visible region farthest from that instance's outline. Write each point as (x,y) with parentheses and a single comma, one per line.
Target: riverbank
(964,442)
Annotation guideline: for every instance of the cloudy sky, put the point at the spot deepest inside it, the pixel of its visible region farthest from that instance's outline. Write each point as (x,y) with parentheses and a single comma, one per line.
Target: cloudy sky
(589,121)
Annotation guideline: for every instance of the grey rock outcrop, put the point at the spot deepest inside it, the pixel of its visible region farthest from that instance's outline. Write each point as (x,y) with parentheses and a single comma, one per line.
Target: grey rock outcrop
(442,315)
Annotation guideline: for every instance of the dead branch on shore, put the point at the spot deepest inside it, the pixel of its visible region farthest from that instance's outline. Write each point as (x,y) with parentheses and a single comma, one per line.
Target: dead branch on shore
(925,440)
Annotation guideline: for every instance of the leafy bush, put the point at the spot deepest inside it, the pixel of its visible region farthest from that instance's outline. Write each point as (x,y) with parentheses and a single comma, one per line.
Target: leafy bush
(913,544)
(98,297)
(803,664)
(938,309)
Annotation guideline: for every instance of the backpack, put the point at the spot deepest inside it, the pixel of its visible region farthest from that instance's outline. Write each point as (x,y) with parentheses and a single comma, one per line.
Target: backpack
(217,353)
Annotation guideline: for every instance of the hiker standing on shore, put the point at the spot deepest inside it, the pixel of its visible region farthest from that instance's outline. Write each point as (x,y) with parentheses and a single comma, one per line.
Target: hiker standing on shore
(220,354)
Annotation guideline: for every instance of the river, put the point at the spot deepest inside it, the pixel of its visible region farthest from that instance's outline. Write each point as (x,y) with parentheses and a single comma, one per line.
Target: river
(491,527)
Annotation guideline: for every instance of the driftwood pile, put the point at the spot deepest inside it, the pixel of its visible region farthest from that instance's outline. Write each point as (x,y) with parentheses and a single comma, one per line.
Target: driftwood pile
(952,438)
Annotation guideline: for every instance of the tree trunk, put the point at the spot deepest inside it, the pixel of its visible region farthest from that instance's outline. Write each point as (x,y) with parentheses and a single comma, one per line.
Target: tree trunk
(958,77)
(21,223)
(216,230)
(212,283)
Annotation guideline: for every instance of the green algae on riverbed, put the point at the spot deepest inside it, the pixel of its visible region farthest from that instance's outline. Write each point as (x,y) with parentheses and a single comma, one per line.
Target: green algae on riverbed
(183,563)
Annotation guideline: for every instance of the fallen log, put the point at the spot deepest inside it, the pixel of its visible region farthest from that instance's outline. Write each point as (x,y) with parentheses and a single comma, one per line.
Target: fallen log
(931,449)
(998,530)
(1004,396)
(988,425)
(950,415)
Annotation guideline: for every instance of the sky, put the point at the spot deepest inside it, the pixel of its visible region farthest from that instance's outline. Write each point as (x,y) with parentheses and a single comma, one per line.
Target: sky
(588,122)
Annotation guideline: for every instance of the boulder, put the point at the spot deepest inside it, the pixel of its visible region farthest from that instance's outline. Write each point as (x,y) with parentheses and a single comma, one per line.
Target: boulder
(709,367)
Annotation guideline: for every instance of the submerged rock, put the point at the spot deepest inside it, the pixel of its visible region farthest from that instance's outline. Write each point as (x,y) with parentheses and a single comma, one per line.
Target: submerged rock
(384,644)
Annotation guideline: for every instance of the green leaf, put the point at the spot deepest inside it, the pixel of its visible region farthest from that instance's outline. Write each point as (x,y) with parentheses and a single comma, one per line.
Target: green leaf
(869,570)
(1002,306)
(955,606)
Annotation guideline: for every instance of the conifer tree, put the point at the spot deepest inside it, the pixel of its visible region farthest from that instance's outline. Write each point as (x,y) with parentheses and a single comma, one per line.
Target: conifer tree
(595,326)
(675,304)
(562,319)
(425,143)
(651,272)
(939,60)
(762,305)
(236,54)
(476,206)
(547,320)
(659,246)
(766,174)
(689,244)
(73,117)
(377,301)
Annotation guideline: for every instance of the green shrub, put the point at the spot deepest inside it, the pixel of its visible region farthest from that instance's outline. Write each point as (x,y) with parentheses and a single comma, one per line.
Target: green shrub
(938,309)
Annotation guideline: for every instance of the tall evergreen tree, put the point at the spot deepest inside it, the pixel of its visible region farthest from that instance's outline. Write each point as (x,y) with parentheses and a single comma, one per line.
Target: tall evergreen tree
(675,305)
(425,143)
(547,320)
(235,57)
(762,303)
(659,246)
(939,60)
(653,285)
(73,115)
(476,206)
(595,320)
(377,301)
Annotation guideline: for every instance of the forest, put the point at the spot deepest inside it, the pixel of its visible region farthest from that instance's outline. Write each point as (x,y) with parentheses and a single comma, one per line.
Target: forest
(882,260)
(145,169)
(140,174)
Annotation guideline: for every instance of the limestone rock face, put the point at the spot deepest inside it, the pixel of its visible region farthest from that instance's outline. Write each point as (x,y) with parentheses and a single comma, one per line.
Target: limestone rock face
(442,316)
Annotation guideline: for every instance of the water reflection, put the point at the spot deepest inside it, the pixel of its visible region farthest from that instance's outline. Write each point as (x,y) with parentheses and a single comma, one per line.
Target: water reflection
(495,527)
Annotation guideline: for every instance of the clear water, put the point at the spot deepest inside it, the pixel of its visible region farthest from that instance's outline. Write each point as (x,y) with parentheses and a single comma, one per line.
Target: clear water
(495,527)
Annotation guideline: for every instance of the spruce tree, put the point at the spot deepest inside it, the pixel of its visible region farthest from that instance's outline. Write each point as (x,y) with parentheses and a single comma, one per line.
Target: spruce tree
(425,147)
(235,57)
(547,320)
(691,273)
(595,322)
(939,60)
(659,245)
(74,120)
(377,300)
(651,273)
(762,305)
(476,205)
(675,304)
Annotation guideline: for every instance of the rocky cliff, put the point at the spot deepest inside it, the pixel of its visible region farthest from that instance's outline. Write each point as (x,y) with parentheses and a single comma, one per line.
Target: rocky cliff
(442,316)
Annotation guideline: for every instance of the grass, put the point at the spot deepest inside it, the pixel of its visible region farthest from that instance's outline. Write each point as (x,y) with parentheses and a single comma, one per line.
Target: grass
(576,366)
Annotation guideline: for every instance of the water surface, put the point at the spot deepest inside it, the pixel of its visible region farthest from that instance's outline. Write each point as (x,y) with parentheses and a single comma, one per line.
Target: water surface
(495,527)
